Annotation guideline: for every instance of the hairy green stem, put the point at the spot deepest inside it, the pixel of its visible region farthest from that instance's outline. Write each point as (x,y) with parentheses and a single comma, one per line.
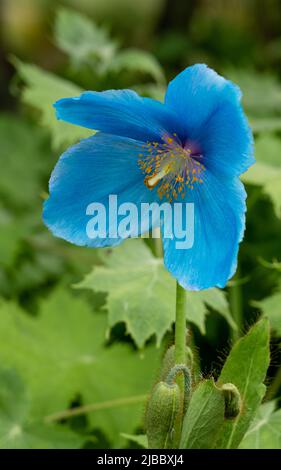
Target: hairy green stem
(180,330)
(158,250)
(180,353)
(235,301)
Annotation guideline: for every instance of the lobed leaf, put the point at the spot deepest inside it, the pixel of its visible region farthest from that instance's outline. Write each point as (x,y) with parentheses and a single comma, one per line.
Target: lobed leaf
(41,91)
(198,303)
(141,293)
(61,355)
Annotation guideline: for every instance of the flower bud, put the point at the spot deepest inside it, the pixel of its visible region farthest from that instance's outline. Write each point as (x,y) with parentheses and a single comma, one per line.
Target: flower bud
(162,408)
(232,400)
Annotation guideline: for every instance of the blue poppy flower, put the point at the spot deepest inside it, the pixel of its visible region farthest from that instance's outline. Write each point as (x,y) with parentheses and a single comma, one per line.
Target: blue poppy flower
(192,148)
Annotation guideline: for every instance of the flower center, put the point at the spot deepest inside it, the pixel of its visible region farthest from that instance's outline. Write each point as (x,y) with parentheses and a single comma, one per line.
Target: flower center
(172,167)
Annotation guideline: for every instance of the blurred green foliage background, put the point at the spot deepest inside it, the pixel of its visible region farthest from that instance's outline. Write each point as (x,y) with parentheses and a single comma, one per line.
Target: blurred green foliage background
(61,346)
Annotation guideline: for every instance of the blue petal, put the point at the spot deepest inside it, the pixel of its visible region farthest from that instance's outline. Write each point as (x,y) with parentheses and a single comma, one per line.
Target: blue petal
(219,223)
(227,141)
(89,172)
(120,112)
(197,92)
(210,109)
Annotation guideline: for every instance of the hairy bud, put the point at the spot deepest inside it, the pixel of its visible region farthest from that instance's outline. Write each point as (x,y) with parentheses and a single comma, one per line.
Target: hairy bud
(162,409)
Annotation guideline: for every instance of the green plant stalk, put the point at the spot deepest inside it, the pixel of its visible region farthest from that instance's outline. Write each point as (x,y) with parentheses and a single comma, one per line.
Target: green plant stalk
(180,330)
(235,302)
(180,345)
(154,242)
(85,409)
(157,241)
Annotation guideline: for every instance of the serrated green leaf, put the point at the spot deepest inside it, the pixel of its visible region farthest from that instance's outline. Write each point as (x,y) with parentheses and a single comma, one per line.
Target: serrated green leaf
(61,354)
(141,293)
(204,417)
(82,39)
(136,60)
(17,428)
(265,431)
(246,368)
(271,307)
(139,439)
(41,91)
(197,303)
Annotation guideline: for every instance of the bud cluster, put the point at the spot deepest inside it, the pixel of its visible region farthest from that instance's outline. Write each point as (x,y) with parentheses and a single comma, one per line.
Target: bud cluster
(168,402)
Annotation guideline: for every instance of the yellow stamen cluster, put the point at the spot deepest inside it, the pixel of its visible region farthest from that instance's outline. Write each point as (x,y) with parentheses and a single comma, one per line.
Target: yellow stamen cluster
(170,166)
